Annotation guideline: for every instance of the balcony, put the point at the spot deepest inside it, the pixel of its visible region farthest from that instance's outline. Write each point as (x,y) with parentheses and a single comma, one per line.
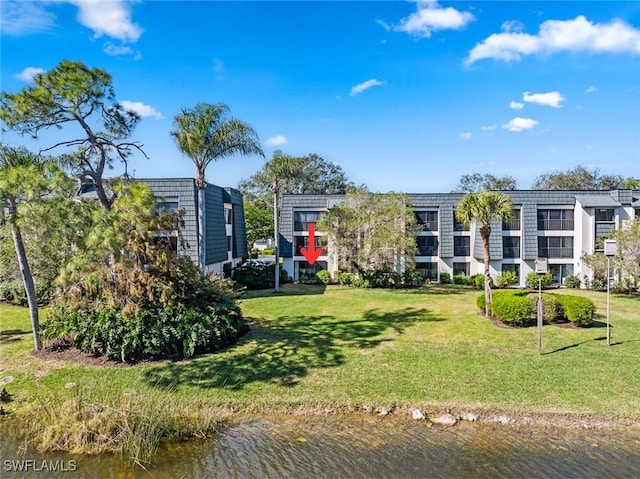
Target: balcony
(555,225)
(458,226)
(461,251)
(511,252)
(428,225)
(512,225)
(557,252)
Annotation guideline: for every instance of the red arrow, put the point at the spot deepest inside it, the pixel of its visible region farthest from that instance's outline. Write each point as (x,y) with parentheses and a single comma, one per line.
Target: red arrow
(312,253)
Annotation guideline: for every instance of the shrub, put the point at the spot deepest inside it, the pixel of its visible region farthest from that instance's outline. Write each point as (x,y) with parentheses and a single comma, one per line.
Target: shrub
(506,279)
(269,251)
(257,276)
(445,278)
(478,281)
(324,276)
(345,278)
(511,309)
(13,292)
(572,281)
(578,310)
(412,277)
(533,278)
(626,286)
(599,284)
(382,278)
(552,309)
(212,322)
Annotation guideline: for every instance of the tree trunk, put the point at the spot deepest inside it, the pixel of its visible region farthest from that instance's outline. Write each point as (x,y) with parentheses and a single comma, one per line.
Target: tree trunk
(485,233)
(202,247)
(27,277)
(276,235)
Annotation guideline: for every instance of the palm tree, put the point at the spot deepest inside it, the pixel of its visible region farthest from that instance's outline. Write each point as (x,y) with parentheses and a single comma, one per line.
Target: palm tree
(280,166)
(483,207)
(24,178)
(206,133)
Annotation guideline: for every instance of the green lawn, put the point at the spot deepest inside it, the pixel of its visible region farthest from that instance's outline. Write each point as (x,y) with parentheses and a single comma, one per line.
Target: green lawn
(313,346)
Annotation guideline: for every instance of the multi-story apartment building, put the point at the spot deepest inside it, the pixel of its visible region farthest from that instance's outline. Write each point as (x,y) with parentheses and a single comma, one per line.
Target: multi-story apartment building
(226,239)
(557,225)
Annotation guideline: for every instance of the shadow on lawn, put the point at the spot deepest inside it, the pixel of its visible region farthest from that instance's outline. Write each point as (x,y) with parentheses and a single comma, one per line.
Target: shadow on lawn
(286,349)
(10,335)
(287,290)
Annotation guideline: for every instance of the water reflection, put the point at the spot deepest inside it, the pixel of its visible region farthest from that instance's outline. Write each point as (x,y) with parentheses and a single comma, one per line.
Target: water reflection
(372,447)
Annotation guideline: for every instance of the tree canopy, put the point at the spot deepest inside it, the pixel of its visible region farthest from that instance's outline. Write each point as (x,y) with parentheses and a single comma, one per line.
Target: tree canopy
(81,99)
(475,182)
(370,231)
(580,178)
(311,174)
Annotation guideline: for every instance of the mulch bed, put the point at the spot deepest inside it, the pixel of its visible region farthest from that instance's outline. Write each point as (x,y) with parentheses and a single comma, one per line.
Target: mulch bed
(77,356)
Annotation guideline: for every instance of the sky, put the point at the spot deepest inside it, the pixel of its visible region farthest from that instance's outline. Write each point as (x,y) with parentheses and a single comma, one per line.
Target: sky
(404,95)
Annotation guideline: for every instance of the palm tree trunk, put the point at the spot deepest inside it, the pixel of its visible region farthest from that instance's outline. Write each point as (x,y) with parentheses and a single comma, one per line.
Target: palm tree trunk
(485,232)
(276,235)
(202,247)
(27,277)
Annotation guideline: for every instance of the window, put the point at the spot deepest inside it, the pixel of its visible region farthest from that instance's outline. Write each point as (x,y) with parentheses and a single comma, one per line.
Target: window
(638,213)
(605,214)
(428,270)
(558,220)
(459,225)
(510,246)
(560,272)
(555,246)
(302,219)
(428,220)
(167,205)
(512,267)
(229,243)
(226,270)
(303,241)
(514,223)
(307,272)
(427,245)
(461,246)
(228,216)
(461,269)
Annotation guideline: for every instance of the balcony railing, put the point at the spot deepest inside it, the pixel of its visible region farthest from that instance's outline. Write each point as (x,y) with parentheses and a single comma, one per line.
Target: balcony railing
(512,225)
(555,225)
(461,251)
(511,252)
(555,252)
(427,251)
(428,225)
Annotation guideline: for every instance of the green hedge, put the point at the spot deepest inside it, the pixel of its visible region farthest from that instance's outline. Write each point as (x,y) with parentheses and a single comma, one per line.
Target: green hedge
(511,308)
(577,309)
(552,309)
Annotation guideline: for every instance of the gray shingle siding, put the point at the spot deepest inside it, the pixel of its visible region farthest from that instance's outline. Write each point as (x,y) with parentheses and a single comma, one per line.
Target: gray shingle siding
(239,227)
(216,234)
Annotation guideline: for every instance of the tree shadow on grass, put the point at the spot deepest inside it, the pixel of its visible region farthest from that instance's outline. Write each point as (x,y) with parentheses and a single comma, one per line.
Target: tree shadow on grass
(11,335)
(284,350)
(287,290)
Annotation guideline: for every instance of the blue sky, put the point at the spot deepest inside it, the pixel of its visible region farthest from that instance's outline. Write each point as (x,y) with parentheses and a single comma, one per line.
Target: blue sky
(405,96)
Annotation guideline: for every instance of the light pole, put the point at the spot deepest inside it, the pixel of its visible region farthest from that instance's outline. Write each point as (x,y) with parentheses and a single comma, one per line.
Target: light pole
(541,268)
(610,249)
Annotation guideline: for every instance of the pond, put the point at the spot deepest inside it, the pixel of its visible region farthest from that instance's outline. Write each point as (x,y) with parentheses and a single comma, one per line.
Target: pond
(362,446)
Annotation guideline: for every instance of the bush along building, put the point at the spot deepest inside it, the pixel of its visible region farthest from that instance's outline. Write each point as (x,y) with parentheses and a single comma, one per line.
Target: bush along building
(226,240)
(558,225)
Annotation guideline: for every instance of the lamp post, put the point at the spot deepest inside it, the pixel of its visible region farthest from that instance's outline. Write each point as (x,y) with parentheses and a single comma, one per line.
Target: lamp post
(540,268)
(610,249)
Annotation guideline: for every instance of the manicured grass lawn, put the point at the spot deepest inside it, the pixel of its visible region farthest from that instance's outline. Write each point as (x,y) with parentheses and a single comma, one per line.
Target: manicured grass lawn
(313,346)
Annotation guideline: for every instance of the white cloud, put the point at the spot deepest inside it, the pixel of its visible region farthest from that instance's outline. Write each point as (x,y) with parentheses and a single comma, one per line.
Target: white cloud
(218,66)
(431,17)
(28,73)
(111,18)
(577,35)
(141,109)
(21,18)
(591,89)
(514,105)
(276,141)
(465,135)
(489,127)
(552,98)
(520,124)
(512,26)
(359,88)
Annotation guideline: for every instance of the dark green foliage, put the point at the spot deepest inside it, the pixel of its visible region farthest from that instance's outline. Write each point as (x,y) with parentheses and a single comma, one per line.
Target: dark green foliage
(412,277)
(506,279)
(384,277)
(345,278)
(445,278)
(211,322)
(14,293)
(577,309)
(552,309)
(324,276)
(572,281)
(257,276)
(533,278)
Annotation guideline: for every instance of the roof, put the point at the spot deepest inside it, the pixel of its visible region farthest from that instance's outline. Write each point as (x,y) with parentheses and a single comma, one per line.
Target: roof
(597,200)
